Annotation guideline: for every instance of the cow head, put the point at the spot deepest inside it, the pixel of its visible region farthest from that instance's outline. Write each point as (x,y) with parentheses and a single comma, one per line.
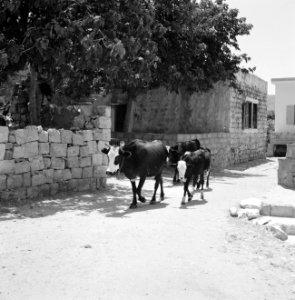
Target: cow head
(173,156)
(182,166)
(112,152)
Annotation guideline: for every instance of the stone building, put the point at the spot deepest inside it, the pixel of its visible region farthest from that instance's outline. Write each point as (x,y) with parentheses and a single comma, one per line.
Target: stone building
(231,122)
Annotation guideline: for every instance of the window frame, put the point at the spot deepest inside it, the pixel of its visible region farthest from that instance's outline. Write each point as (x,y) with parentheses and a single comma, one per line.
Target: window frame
(250,114)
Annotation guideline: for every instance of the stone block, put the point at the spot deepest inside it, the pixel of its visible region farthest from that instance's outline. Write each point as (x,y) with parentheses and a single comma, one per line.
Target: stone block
(58,163)
(66,136)
(287,211)
(7,166)
(72,162)
(27,180)
(87,172)
(43,190)
(101,145)
(27,150)
(53,189)
(87,135)
(22,167)
(27,135)
(2,151)
(8,146)
(58,150)
(48,175)
(84,151)
(92,146)
(38,179)
(105,122)
(85,162)
(54,136)
(4,134)
(47,162)
(78,139)
(102,110)
(73,185)
(43,137)
(3,182)
(32,192)
(73,151)
(106,135)
(290,151)
(36,163)
(105,160)
(43,148)
(103,182)
(62,175)
(11,137)
(97,134)
(63,186)
(99,171)
(84,184)
(14,181)
(93,185)
(251,203)
(97,159)
(76,172)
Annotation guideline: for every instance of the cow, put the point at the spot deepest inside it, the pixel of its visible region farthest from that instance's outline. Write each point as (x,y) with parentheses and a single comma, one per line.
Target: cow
(191,166)
(141,159)
(176,151)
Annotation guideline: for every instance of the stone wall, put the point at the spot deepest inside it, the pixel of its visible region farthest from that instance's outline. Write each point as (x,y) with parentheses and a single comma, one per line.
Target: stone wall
(226,148)
(35,162)
(286,171)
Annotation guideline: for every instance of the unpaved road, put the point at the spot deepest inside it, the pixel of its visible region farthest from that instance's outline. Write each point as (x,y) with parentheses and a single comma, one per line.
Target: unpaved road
(91,246)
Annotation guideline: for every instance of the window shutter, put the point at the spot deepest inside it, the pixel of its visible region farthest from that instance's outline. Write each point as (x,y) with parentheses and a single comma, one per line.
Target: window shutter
(290,114)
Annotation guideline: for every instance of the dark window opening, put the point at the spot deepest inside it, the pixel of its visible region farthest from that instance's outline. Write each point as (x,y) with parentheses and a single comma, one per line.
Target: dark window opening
(249,115)
(119,116)
(280,150)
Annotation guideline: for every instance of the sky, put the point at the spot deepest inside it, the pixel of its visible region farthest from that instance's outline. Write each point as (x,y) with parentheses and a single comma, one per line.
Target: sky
(271,42)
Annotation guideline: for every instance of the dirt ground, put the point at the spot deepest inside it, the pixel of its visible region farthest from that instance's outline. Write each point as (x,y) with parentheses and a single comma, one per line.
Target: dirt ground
(91,246)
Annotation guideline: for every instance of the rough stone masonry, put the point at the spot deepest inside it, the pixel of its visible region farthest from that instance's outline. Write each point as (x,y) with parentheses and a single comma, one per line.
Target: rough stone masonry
(36,162)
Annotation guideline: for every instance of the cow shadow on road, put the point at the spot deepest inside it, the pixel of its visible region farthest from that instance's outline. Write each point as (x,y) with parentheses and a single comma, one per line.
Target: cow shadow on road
(113,201)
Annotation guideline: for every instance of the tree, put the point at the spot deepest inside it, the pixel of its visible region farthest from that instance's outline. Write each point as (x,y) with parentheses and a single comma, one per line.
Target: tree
(198,47)
(84,46)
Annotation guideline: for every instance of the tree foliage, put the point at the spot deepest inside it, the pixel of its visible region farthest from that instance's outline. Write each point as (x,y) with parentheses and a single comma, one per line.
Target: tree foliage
(84,46)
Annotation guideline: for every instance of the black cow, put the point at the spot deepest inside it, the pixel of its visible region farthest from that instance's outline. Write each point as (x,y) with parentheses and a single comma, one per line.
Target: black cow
(142,159)
(191,166)
(176,151)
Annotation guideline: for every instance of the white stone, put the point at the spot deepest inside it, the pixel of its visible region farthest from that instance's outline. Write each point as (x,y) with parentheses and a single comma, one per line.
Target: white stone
(98,134)
(27,150)
(14,181)
(38,179)
(251,203)
(48,175)
(278,232)
(84,151)
(87,135)
(27,135)
(104,122)
(57,163)
(97,159)
(4,134)
(37,163)
(72,162)
(76,172)
(233,211)
(85,161)
(87,172)
(43,148)
(92,145)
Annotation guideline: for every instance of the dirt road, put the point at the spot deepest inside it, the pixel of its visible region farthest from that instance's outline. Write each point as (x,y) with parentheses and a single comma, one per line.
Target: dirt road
(91,246)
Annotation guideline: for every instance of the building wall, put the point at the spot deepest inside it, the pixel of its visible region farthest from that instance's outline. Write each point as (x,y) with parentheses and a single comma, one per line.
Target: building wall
(35,162)
(159,110)
(285,95)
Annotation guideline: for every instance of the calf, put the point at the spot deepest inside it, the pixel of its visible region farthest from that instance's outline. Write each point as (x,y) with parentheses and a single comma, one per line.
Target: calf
(176,151)
(191,166)
(141,159)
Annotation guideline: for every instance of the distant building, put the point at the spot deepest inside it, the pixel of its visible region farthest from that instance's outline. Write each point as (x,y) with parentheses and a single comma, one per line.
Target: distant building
(284,116)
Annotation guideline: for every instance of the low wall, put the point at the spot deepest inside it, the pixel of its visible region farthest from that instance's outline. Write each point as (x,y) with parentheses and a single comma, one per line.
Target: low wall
(35,162)
(286,170)
(226,148)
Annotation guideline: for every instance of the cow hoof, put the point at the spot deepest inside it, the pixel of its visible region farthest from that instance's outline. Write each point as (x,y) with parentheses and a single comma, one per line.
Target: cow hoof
(189,199)
(142,199)
(162,198)
(133,205)
(183,203)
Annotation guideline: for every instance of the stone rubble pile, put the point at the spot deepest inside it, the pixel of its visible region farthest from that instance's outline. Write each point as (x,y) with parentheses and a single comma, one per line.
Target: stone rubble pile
(279,219)
(35,162)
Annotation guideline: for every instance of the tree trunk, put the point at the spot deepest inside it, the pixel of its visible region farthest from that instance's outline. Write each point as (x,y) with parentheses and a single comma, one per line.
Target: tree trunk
(33,106)
(129,118)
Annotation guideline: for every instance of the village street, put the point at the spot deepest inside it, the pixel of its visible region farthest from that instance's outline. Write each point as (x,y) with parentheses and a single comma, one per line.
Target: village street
(91,246)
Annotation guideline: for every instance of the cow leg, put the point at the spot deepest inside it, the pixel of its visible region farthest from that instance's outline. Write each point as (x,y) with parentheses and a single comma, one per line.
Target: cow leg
(134,202)
(158,180)
(202,185)
(207,182)
(185,189)
(139,187)
(176,175)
